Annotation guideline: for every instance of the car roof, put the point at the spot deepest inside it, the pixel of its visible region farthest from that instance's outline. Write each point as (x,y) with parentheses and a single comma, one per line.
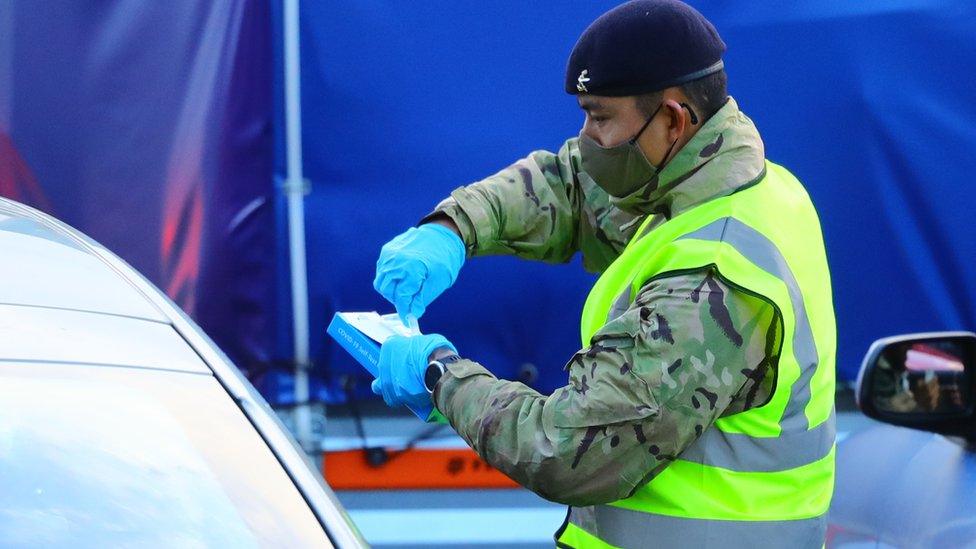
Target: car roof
(47,264)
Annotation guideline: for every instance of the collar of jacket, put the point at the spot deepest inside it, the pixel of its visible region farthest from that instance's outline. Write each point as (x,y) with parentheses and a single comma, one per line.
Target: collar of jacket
(725,154)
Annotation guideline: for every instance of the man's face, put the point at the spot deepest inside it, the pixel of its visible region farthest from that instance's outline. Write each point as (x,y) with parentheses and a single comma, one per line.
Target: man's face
(611,121)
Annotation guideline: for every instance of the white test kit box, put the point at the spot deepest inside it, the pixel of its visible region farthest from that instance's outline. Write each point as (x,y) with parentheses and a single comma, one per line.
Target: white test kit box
(362,334)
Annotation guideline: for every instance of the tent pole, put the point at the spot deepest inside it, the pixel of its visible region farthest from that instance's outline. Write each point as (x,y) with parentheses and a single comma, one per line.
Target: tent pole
(295,188)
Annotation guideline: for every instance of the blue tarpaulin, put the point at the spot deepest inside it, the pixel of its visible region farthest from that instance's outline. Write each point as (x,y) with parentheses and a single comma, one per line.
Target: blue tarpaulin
(870,104)
(149,125)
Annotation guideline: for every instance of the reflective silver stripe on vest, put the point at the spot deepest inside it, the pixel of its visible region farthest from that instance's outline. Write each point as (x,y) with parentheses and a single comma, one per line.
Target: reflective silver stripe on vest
(627,528)
(762,252)
(738,452)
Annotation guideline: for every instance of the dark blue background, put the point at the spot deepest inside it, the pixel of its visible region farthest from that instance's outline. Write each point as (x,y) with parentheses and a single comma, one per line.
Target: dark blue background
(155,130)
(870,104)
(148,126)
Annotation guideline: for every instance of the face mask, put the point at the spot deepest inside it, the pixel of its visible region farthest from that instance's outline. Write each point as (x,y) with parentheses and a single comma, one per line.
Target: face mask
(620,170)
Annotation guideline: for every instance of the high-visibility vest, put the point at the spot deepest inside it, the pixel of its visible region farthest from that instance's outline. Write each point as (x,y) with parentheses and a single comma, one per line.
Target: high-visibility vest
(762,477)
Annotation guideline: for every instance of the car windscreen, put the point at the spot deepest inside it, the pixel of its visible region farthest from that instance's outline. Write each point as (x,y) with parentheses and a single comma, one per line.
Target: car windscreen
(100,456)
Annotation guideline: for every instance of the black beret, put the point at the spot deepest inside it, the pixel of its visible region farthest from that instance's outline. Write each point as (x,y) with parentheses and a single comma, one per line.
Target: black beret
(644,46)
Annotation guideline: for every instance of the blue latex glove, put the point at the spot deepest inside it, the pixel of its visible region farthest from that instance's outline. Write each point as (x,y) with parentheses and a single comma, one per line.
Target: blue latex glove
(403,363)
(417,266)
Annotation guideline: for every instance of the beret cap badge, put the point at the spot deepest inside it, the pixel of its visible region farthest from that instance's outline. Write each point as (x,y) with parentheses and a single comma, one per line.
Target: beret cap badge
(581,81)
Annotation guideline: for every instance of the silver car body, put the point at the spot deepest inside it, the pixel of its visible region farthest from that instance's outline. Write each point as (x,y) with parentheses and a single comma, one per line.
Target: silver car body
(56,284)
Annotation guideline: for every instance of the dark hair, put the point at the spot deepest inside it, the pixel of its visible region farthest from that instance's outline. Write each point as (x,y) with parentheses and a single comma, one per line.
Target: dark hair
(707,95)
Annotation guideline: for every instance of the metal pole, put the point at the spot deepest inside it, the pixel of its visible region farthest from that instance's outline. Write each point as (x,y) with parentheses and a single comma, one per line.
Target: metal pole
(295,188)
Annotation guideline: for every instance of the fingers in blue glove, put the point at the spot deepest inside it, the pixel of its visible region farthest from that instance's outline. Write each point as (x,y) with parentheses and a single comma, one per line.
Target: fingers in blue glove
(417,266)
(403,361)
(404,290)
(390,366)
(387,280)
(407,298)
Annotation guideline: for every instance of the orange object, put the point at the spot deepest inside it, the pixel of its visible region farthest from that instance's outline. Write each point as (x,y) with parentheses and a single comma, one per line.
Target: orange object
(418,468)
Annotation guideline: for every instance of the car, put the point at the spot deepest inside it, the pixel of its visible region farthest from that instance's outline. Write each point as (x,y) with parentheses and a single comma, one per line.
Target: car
(910,480)
(123,424)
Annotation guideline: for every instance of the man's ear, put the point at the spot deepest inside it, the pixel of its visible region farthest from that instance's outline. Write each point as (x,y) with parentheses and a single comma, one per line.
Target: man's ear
(678,118)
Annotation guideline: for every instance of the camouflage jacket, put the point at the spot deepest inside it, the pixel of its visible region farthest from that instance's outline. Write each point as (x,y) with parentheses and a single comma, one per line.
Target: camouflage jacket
(689,350)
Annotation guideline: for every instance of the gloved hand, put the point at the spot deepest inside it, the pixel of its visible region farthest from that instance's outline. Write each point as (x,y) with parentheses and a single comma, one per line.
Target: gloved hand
(403,363)
(417,266)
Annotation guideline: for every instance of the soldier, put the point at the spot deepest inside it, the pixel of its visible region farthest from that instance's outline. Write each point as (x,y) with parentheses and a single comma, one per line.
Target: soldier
(699,410)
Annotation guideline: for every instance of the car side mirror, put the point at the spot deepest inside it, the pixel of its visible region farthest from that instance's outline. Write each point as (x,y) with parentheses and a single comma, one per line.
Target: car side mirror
(922,381)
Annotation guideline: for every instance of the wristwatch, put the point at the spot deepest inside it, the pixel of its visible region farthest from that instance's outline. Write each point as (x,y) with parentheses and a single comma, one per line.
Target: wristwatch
(435,369)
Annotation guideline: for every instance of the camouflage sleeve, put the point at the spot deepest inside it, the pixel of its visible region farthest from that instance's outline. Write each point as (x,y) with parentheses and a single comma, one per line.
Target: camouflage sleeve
(542,207)
(689,350)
